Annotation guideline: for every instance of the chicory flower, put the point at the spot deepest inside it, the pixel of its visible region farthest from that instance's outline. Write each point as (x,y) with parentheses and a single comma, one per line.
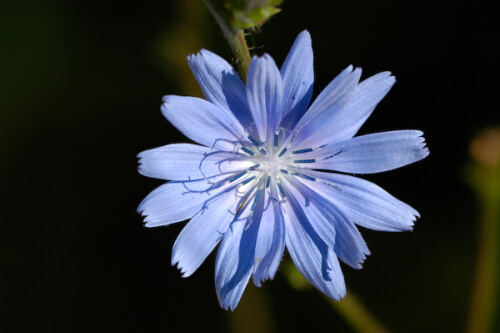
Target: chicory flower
(270,172)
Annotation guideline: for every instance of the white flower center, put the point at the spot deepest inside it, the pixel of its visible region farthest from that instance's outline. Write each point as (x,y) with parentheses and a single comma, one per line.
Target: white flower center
(273,163)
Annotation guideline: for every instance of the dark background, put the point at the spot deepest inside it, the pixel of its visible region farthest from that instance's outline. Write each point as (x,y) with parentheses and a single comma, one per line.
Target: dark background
(80,91)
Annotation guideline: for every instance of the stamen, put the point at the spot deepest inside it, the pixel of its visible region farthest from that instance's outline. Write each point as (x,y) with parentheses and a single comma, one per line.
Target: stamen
(308,177)
(248,151)
(276,137)
(336,154)
(298,174)
(255,142)
(307,150)
(246,181)
(282,192)
(263,151)
(238,176)
(282,152)
(268,181)
(284,171)
(305,161)
(301,151)
(256,200)
(256,166)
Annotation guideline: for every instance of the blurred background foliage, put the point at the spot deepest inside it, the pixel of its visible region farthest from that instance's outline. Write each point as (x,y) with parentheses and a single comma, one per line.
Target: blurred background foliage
(80,91)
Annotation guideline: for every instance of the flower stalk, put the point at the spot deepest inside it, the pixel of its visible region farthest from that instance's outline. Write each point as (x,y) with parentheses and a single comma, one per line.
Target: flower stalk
(349,308)
(234,35)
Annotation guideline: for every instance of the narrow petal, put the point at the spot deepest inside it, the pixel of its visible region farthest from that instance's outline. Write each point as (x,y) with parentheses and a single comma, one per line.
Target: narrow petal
(314,259)
(265,95)
(363,202)
(270,242)
(202,121)
(350,246)
(235,260)
(372,153)
(332,225)
(298,77)
(306,201)
(361,105)
(326,106)
(200,236)
(178,201)
(346,123)
(220,84)
(184,161)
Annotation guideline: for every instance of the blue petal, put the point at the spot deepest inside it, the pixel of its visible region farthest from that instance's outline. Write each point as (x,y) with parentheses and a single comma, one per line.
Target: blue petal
(270,242)
(350,246)
(345,123)
(178,201)
(202,121)
(265,95)
(200,236)
(372,153)
(184,161)
(363,202)
(326,106)
(332,226)
(362,103)
(306,201)
(314,259)
(235,260)
(220,84)
(298,77)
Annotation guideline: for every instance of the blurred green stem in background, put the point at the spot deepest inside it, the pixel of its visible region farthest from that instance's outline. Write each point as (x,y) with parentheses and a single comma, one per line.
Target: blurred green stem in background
(483,174)
(234,16)
(350,308)
(254,313)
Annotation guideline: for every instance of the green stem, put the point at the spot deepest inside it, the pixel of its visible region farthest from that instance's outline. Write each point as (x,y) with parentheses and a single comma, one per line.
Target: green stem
(253,314)
(484,293)
(234,36)
(349,308)
(356,315)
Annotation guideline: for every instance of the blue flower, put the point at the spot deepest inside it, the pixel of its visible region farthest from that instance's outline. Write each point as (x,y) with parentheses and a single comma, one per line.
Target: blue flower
(260,179)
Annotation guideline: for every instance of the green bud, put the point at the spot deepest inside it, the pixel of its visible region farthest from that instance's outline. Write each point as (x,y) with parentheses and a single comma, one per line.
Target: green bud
(248,14)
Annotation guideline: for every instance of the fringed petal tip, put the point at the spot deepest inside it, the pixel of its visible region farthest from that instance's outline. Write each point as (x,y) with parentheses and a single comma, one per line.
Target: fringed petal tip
(140,208)
(202,53)
(164,100)
(140,165)
(150,222)
(182,270)
(423,149)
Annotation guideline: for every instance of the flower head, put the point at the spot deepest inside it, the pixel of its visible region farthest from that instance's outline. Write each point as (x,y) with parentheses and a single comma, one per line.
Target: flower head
(260,179)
